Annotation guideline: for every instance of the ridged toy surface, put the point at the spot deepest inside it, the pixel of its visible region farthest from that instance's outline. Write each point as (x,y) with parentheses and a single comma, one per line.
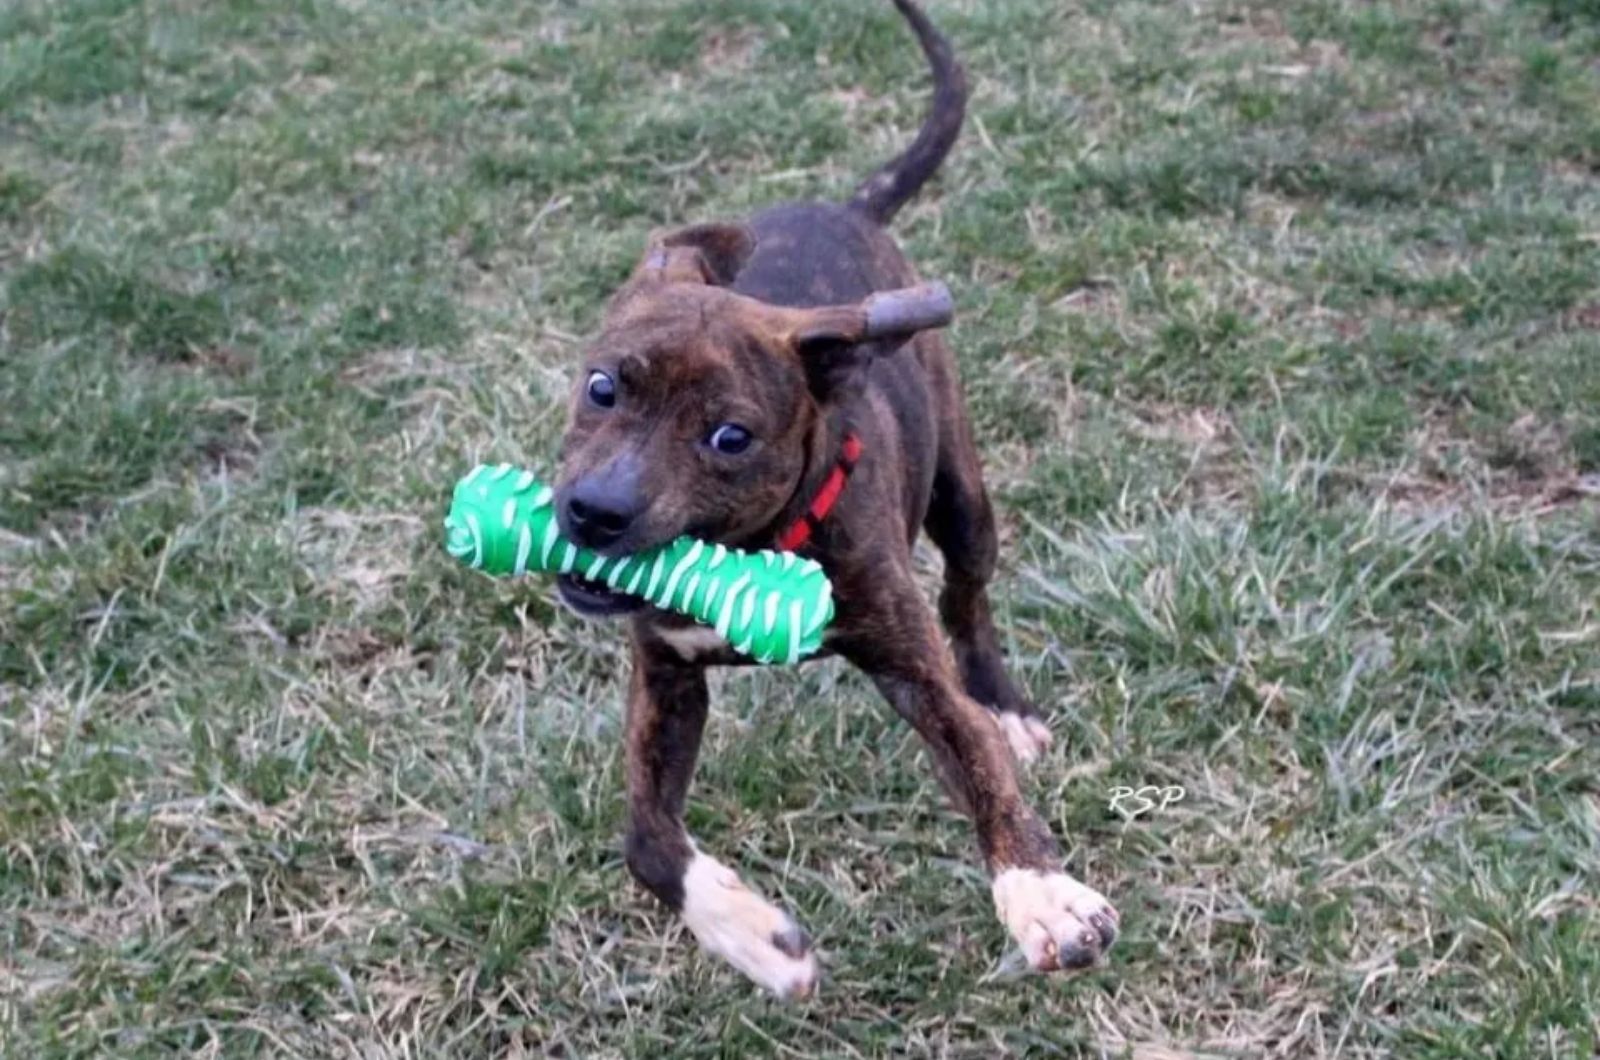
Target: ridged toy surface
(772,606)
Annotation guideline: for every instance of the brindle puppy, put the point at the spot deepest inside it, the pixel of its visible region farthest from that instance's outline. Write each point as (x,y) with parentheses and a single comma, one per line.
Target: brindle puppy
(728,373)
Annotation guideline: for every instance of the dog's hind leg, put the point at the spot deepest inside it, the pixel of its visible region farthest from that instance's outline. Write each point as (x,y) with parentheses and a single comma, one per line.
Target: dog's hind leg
(667,703)
(961,523)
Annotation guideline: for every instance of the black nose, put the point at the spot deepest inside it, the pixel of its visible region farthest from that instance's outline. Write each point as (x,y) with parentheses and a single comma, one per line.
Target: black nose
(597,518)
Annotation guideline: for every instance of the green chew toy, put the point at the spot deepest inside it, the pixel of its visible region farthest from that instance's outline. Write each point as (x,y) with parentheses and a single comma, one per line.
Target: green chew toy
(772,606)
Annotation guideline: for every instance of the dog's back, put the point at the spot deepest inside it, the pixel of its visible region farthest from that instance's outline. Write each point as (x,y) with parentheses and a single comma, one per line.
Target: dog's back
(822,253)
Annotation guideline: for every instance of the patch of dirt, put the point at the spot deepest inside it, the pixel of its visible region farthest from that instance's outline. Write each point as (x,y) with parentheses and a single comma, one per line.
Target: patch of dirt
(1532,451)
(1217,474)
(357,557)
(1265,27)
(1529,469)
(1199,428)
(224,360)
(1506,498)
(310,86)
(365,654)
(729,49)
(1095,294)
(850,99)
(1585,317)
(230,443)
(503,48)
(1257,25)
(395,365)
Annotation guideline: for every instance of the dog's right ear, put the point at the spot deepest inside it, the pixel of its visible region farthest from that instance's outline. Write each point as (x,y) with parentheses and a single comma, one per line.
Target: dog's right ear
(704,253)
(834,341)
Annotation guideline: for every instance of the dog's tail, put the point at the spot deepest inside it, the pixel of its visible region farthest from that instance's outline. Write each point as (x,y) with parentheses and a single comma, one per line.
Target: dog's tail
(881,195)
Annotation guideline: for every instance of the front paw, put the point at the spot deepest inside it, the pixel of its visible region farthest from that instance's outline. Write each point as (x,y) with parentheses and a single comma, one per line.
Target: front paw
(747,931)
(1058,922)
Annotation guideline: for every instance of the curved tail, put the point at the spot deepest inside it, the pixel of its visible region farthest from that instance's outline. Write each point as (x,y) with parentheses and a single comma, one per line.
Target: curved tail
(882,194)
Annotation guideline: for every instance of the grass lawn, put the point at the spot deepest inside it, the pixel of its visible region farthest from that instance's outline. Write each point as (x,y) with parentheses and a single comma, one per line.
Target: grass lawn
(1281,328)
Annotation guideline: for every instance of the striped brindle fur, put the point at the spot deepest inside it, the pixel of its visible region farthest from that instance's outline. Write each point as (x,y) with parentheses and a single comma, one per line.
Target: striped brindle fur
(800,327)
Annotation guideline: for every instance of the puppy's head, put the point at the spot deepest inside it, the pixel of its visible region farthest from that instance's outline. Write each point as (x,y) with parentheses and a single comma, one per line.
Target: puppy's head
(693,408)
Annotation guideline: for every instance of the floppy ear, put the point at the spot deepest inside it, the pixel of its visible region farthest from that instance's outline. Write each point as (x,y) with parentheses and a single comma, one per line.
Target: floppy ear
(833,341)
(704,253)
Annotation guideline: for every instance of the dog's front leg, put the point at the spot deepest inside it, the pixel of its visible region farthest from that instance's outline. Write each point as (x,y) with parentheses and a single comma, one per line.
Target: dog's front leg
(1059,922)
(667,704)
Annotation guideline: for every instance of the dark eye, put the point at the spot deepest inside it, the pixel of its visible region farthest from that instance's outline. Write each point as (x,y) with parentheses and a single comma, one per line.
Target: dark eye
(602,390)
(730,438)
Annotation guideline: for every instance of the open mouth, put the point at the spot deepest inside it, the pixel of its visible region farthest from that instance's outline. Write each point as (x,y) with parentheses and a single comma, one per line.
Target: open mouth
(594,599)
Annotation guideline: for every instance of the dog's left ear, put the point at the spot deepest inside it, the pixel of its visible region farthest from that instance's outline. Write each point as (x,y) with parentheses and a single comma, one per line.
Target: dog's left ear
(704,253)
(833,341)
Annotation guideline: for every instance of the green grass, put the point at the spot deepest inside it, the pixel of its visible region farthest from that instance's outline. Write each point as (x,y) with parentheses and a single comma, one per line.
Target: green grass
(1281,328)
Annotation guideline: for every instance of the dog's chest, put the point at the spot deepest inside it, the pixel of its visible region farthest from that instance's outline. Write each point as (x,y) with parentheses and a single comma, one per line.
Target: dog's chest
(691,642)
(695,643)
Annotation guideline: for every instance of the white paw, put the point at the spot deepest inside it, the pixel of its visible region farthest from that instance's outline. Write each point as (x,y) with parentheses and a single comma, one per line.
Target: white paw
(1058,922)
(746,930)
(1027,737)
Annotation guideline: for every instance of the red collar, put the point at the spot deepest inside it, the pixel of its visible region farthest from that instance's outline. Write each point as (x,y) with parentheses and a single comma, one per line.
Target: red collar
(810,522)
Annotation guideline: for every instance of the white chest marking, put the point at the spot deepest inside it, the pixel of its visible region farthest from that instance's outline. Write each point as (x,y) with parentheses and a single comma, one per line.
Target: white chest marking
(691,642)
